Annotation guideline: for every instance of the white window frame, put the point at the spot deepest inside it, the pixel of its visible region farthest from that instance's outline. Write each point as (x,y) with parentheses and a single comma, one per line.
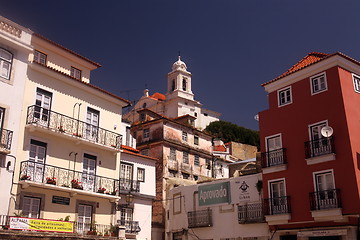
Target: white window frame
(314,124)
(32,202)
(273,136)
(323,172)
(141,174)
(356,82)
(6,62)
(40,57)
(75,73)
(280,104)
(317,77)
(276,180)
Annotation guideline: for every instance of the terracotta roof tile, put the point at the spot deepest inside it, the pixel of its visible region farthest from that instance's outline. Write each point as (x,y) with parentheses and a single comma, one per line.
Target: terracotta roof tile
(124,147)
(308,60)
(220,148)
(85,83)
(158,96)
(139,155)
(66,49)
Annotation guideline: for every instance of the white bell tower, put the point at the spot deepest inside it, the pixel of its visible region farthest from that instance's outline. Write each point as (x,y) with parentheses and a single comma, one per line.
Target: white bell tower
(179,82)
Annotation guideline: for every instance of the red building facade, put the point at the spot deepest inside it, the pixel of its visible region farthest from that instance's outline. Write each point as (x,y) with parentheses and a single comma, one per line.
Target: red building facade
(310,144)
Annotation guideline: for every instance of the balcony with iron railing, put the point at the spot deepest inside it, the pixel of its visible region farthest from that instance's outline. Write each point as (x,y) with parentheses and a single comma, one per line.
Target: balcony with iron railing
(200,218)
(57,178)
(326,199)
(326,205)
(72,128)
(251,213)
(274,160)
(277,210)
(131,227)
(129,185)
(320,147)
(278,205)
(5,140)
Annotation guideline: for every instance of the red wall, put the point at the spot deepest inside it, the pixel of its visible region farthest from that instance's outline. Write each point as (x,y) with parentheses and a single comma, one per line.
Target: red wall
(292,122)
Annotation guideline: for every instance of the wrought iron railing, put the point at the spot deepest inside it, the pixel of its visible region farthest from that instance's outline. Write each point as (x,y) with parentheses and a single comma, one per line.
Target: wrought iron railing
(43,173)
(326,199)
(278,205)
(319,147)
(273,158)
(93,229)
(251,213)
(128,185)
(202,218)
(68,125)
(5,138)
(130,226)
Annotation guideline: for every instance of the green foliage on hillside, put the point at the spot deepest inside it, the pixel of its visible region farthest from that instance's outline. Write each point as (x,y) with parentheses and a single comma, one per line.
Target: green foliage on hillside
(228,131)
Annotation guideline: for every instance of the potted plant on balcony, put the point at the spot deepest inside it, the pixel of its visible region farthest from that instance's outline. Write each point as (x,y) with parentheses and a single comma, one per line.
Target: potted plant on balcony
(25,177)
(77,134)
(61,129)
(76,184)
(51,180)
(92,230)
(113,230)
(101,190)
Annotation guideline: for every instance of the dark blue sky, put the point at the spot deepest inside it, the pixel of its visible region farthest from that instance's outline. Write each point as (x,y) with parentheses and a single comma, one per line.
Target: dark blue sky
(231,46)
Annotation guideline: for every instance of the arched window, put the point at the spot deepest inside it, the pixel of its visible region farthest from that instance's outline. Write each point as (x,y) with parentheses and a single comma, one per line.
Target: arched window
(184,84)
(173,85)
(5,63)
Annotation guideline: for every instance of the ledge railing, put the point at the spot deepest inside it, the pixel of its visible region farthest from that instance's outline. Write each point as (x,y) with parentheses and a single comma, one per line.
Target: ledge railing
(278,205)
(43,173)
(61,123)
(130,226)
(251,213)
(5,138)
(273,158)
(319,147)
(327,199)
(201,218)
(128,185)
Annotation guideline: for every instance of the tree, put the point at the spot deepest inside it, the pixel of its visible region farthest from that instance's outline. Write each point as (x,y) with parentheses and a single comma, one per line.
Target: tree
(228,132)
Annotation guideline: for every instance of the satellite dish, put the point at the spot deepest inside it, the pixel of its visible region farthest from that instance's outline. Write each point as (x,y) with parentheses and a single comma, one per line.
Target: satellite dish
(327,131)
(256,117)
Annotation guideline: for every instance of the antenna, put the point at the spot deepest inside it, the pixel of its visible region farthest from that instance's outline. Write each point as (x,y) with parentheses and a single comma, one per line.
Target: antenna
(327,131)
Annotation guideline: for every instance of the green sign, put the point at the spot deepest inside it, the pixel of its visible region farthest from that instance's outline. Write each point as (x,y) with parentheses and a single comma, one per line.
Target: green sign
(214,194)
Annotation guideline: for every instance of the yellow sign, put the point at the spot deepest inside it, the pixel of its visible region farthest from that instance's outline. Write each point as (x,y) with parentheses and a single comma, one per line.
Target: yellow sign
(41,225)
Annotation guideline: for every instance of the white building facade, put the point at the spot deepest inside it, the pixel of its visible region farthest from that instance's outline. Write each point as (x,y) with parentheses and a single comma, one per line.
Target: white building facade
(218,210)
(15,47)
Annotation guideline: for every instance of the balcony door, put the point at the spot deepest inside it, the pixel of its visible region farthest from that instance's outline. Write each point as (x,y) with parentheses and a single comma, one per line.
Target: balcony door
(42,106)
(84,218)
(126,176)
(127,218)
(37,158)
(89,172)
(319,144)
(277,197)
(92,124)
(274,155)
(325,190)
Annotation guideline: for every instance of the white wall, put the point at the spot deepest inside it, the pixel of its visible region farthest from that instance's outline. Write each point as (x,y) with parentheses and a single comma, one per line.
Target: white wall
(224,215)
